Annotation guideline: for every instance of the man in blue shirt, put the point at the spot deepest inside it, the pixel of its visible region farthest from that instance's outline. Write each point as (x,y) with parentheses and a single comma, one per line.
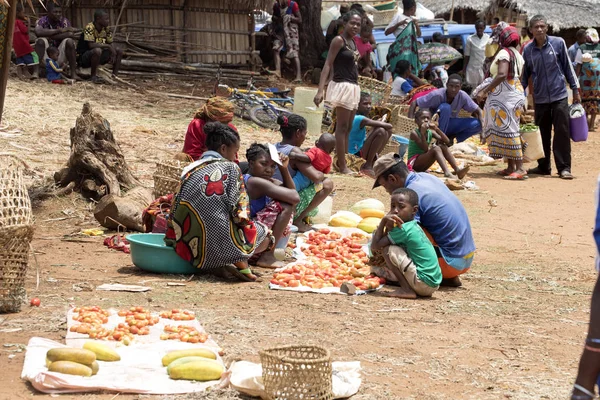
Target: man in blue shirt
(547,63)
(440,213)
(580,38)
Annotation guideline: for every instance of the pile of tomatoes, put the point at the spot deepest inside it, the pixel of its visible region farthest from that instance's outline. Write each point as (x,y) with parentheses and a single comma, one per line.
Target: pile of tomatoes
(183,333)
(333,260)
(178,315)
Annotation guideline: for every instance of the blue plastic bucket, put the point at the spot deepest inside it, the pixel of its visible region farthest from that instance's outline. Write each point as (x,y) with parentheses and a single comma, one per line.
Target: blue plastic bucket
(402,144)
(150,253)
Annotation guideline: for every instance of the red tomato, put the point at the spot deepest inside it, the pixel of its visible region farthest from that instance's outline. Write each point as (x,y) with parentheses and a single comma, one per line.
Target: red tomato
(35,302)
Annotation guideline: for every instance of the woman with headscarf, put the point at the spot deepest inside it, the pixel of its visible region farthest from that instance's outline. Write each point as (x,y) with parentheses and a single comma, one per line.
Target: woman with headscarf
(209,225)
(505,103)
(588,71)
(215,109)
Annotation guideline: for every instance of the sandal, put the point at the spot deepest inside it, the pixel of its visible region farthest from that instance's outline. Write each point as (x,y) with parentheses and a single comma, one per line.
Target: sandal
(515,176)
(243,275)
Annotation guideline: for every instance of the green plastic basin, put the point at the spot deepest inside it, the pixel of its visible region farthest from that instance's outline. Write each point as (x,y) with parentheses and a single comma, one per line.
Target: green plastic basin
(385,5)
(149,252)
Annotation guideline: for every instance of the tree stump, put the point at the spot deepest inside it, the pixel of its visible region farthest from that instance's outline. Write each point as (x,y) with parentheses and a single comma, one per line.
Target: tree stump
(96,160)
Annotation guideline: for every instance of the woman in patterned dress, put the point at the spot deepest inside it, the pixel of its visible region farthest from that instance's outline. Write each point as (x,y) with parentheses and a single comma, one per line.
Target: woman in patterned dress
(210,223)
(505,103)
(588,71)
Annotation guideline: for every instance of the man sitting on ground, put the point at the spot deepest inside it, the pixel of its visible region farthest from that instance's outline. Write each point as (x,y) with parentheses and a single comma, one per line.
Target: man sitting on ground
(448,102)
(440,213)
(56,31)
(96,46)
(367,146)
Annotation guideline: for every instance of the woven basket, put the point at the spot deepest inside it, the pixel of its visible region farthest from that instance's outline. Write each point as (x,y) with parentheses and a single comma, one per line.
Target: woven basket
(15,206)
(403,125)
(297,372)
(381,18)
(167,177)
(379,91)
(464,114)
(14,256)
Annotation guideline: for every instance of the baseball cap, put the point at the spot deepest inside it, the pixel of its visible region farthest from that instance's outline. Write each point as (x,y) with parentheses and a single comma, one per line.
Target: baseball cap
(384,163)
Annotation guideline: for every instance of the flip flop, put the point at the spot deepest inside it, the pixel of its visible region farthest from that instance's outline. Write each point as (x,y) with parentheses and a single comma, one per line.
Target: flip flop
(241,274)
(515,176)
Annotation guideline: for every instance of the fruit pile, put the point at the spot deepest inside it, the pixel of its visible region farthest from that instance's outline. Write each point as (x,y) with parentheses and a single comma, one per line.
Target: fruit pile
(183,333)
(194,365)
(80,362)
(178,315)
(333,260)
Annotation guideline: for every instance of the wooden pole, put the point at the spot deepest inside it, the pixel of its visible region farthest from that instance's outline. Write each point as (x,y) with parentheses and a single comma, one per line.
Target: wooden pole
(119,17)
(8,35)
(452,12)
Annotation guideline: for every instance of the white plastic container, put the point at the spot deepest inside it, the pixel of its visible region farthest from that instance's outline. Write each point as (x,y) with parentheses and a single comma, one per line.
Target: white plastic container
(304,105)
(324,211)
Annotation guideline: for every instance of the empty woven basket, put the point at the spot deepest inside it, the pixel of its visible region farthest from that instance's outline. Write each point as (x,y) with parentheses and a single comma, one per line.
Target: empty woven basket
(297,372)
(15,206)
(167,177)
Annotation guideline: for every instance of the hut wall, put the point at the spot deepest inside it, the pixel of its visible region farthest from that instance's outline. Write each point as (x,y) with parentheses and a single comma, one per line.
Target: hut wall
(193,31)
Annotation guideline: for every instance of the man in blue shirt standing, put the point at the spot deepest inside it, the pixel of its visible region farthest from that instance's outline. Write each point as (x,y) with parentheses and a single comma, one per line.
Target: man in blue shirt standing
(547,63)
(580,38)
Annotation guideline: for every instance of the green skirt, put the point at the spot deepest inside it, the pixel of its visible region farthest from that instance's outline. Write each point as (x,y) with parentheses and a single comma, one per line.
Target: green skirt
(306,196)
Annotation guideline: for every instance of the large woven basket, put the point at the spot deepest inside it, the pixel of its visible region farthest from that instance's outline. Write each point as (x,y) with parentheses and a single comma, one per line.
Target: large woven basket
(167,177)
(403,125)
(297,372)
(379,91)
(15,206)
(14,256)
(381,18)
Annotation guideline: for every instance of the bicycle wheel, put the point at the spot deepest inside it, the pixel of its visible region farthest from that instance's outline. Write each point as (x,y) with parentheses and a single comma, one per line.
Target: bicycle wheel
(265,117)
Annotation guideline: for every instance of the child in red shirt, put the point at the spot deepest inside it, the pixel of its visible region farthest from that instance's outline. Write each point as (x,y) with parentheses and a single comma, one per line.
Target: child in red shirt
(320,158)
(26,57)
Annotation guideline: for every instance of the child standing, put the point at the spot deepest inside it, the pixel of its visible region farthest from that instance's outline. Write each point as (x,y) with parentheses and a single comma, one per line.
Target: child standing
(410,256)
(319,157)
(26,57)
(53,69)
(421,156)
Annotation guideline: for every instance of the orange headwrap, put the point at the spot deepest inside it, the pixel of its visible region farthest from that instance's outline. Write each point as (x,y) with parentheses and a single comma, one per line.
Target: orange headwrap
(216,109)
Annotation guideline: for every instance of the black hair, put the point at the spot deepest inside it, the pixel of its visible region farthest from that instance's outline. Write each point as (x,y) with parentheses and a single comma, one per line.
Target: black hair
(495,20)
(420,112)
(52,50)
(408,4)
(411,195)
(537,18)
(580,33)
(455,77)
(364,95)
(357,7)
(51,5)
(99,13)
(218,134)
(468,89)
(290,124)
(480,22)
(437,37)
(256,150)
(348,16)
(401,67)
(345,8)
(399,169)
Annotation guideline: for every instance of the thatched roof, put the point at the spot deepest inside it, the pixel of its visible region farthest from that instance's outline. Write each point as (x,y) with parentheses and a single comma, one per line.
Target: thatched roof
(439,7)
(249,4)
(561,14)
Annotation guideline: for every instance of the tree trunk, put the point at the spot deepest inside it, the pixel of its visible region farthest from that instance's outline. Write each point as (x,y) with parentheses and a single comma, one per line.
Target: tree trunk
(96,156)
(113,211)
(7,23)
(312,40)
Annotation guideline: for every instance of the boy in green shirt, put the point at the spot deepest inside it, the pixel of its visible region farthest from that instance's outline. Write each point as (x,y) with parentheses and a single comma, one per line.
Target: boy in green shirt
(408,253)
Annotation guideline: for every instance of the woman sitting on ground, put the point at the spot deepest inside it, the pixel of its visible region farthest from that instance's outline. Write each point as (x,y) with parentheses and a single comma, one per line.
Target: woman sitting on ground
(271,202)
(210,223)
(293,131)
(215,109)
(404,80)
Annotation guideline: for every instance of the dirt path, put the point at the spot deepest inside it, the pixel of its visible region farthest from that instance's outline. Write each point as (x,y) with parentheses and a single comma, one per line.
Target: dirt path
(514,331)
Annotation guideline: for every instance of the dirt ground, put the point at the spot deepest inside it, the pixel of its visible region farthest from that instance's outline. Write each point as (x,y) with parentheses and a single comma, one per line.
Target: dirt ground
(515,330)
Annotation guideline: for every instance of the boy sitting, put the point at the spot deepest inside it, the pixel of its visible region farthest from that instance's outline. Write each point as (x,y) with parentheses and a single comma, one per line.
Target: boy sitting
(54,70)
(409,255)
(421,155)
(319,157)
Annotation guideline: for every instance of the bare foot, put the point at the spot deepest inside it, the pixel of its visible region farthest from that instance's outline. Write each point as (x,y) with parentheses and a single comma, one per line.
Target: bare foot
(303,226)
(452,282)
(268,260)
(402,294)
(450,175)
(368,172)
(461,173)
